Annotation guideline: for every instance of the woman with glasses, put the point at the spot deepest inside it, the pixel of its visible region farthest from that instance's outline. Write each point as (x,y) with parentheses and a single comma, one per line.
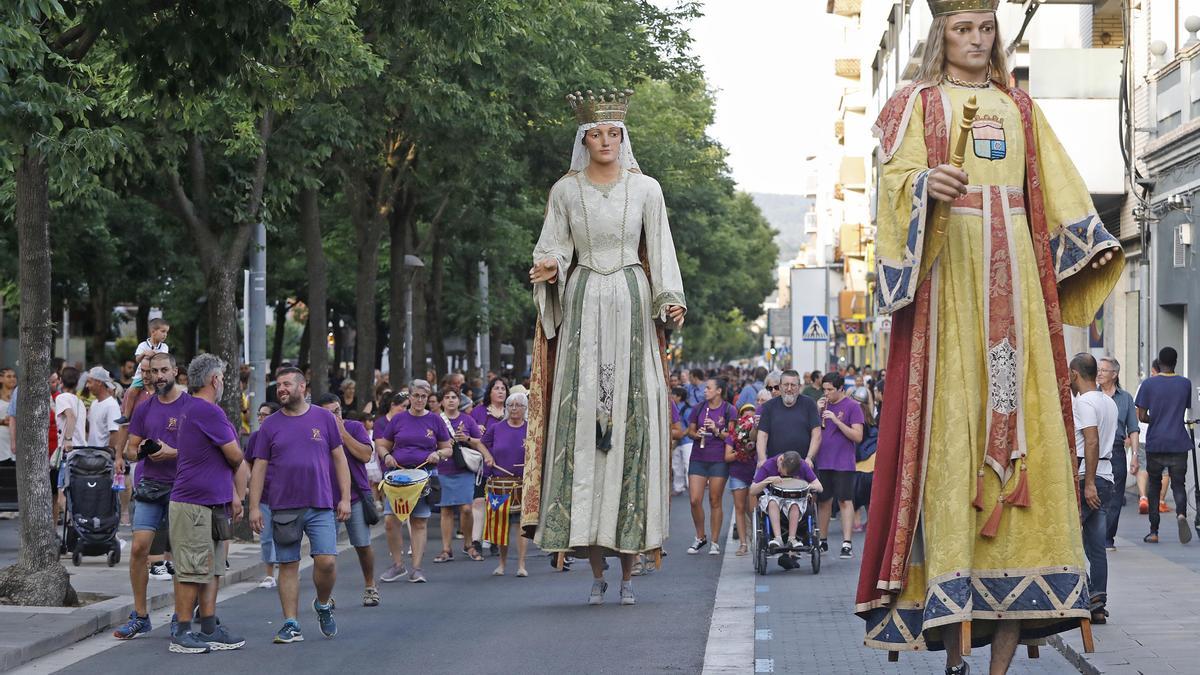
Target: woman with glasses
(505,443)
(415,439)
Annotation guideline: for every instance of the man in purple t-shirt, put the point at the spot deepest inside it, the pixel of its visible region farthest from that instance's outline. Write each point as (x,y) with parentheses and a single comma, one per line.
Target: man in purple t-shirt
(156,420)
(356,444)
(210,481)
(302,445)
(842,429)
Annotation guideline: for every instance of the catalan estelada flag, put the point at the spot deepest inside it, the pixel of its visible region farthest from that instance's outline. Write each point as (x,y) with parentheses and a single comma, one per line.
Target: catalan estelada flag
(499,502)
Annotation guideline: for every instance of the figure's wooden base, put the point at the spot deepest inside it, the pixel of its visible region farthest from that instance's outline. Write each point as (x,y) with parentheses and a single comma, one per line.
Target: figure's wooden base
(1033,651)
(1085,628)
(965,640)
(893,657)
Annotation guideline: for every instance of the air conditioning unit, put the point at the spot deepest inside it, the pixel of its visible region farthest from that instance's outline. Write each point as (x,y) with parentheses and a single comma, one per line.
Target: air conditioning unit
(1183,237)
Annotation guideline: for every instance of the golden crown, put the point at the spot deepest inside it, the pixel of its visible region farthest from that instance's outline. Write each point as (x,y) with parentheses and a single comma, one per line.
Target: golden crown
(609,106)
(945,7)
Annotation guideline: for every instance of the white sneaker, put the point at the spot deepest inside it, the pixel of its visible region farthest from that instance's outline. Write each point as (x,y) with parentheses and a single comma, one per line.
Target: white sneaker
(159,572)
(794,543)
(267,582)
(715,550)
(775,543)
(697,544)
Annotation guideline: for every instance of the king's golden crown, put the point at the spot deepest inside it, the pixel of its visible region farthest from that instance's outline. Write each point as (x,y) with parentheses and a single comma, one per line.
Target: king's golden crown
(944,7)
(607,106)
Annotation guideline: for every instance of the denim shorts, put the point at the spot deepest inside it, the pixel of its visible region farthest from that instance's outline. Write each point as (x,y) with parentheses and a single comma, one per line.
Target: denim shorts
(737,484)
(149,516)
(320,526)
(458,489)
(708,469)
(420,510)
(264,539)
(356,526)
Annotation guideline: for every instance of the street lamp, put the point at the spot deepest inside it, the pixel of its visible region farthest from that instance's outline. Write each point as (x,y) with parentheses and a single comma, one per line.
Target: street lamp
(411,264)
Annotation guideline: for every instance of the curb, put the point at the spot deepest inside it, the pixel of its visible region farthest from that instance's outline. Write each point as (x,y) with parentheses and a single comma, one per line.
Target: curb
(1074,657)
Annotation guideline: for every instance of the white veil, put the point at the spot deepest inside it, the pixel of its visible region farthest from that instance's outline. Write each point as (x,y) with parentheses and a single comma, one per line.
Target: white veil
(579,154)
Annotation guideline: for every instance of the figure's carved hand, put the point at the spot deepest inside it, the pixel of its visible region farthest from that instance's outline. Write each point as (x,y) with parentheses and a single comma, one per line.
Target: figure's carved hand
(947,183)
(545,270)
(1101,261)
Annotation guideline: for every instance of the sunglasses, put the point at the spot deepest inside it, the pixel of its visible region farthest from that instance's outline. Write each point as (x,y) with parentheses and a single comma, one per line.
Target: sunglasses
(772,387)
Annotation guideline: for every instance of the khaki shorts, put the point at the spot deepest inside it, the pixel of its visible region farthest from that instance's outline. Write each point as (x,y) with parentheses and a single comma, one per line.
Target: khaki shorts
(198,558)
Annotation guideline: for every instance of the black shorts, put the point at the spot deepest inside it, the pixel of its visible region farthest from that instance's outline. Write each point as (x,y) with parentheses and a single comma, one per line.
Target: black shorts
(837,485)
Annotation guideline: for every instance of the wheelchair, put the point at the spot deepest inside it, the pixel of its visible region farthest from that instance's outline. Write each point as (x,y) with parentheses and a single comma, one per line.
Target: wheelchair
(787,492)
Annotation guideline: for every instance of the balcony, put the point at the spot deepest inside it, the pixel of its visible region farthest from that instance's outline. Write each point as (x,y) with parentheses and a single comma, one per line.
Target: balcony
(847,8)
(848,68)
(1077,90)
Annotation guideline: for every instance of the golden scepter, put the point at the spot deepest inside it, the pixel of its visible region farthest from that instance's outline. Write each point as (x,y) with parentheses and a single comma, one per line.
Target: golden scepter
(941,211)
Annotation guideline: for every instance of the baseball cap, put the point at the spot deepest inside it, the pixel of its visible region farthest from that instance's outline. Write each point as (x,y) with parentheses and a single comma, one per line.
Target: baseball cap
(99,374)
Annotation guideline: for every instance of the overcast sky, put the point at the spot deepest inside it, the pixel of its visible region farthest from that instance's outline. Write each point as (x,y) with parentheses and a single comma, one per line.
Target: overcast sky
(771,65)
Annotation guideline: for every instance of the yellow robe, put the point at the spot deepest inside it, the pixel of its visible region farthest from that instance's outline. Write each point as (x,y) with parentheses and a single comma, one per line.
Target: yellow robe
(1034,567)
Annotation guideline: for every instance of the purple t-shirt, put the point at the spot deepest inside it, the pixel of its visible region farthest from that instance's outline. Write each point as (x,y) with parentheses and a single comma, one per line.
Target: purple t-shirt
(256,453)
(507,445)
(297,450)
(467,425)
(381,427)
(714,447)
(413,438)
(358,470)
(481,416)
(159,421)
(202,475)
(742,470)
(837,451)
(771,468)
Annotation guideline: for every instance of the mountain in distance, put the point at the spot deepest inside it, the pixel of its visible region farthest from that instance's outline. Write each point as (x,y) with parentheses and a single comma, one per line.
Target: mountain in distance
(785,213)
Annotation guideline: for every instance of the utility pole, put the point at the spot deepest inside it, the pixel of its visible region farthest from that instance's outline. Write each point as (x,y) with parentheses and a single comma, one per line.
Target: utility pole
(257,309)
(485,335)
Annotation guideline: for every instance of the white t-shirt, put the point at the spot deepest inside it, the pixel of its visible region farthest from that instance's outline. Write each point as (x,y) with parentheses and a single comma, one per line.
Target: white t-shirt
(68,401)
(148,349)
(5,433)
(1096,409)
(102,421)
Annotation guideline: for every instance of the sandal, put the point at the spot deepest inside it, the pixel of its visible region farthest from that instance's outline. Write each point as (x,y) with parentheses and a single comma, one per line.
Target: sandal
(474,554)
(444,556)
(742,550)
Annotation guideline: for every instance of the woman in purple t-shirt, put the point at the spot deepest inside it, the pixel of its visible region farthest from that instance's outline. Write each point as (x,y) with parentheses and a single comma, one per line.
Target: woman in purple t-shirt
(505,442)
(740,455)
(414,439)
(458,485)
(489,411)
(709,427)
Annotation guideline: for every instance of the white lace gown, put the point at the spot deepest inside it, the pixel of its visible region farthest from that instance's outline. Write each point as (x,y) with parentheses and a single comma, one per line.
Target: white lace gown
(607,458)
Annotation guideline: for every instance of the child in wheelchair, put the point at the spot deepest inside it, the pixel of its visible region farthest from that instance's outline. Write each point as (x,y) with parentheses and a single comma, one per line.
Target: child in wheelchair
(774,502)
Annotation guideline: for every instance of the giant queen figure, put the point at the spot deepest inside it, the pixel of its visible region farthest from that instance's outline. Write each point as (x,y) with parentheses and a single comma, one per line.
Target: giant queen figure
(974,531)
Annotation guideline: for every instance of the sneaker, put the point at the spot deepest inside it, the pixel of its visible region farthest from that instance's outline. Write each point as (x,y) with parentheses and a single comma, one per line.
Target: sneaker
(188,643)
(627,597)
(787,561)
(325,618)
(417,576)
(715,550)
(735,533)
(135,626)
(824,546)
(597,595)
(174,623)
(1151,538)
(160,572)
(847,550)
(393,573)
(1163,508)
(371,597)
(775,543)
(697,544)
(1185,532)
(221,640)
(121,420)
(1143,505)
(289,633)
(267,582)
(794,543)
(171,566)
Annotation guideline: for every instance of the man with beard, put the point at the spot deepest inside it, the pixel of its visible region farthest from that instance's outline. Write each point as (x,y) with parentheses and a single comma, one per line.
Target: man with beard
(156,424)
(789,422)
(301,445)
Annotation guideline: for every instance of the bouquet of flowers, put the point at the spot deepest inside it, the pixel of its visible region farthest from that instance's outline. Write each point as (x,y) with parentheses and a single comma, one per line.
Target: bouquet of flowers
(743,447)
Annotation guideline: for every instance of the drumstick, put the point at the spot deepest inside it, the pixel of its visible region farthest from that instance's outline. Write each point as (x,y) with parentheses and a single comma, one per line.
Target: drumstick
(497,466)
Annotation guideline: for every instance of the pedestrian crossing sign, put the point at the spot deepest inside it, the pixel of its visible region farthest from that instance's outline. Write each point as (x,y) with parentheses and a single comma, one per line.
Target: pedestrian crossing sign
(815,328)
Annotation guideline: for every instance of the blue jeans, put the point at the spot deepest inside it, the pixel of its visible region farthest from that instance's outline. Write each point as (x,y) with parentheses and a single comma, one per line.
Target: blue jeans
(265,542)
(320,526)
(1094,530)
(356,526)
(148,516)
(1116,496)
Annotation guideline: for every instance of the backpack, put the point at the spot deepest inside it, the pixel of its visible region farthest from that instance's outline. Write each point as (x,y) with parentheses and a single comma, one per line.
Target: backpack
(867,447)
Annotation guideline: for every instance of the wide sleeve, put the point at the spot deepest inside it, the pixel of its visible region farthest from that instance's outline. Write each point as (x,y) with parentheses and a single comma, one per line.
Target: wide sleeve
(904,211)
(666,283)
(555,242)
(1077,234)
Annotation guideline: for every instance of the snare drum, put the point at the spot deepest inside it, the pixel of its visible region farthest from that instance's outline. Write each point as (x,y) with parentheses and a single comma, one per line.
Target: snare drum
(403,488)
(503,493)
(789,488)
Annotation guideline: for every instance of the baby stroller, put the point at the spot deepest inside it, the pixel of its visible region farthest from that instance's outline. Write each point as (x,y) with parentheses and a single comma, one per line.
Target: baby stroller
(93,508)
(789,491)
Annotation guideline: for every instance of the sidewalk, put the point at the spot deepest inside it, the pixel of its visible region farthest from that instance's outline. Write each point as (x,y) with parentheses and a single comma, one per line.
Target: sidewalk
(27,633)
(1153,591)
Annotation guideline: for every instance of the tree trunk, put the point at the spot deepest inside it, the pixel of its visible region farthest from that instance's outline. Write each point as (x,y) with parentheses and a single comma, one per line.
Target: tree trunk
(420,328)
(302,357)
(520,355)
(37,578)
(222,282)
(142,320)
(318,282)
(281,310)
(433,306)
(368,237)
(397,285)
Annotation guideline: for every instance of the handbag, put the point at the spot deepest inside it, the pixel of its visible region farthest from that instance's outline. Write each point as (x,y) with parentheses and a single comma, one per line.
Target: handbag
(222,524)
(151,491)
(287,526)
(370,512)
(464,457)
